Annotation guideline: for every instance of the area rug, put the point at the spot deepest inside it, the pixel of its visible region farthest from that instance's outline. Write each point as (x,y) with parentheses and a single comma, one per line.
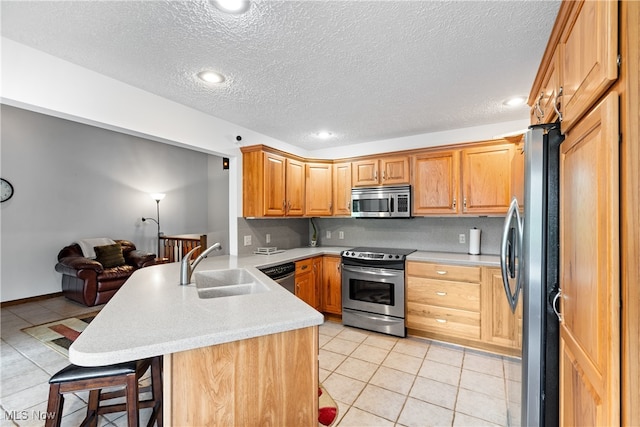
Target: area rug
(327,408)
(60,334)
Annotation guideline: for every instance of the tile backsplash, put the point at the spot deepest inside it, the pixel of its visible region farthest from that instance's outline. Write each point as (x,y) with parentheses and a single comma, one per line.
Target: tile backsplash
(427,234)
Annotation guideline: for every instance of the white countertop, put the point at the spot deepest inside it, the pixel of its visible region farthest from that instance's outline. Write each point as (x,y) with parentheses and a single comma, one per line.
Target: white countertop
(153,315)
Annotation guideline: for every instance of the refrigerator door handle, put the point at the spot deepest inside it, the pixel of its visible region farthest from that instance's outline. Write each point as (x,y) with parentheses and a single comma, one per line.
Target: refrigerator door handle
(511,250)
(554,304)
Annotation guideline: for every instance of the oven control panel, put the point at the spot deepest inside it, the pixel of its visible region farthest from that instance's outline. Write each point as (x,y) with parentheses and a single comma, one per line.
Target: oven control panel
(370,255)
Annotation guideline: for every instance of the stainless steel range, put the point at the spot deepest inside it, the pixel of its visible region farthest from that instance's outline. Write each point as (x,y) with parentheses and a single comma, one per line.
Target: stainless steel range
(373,289)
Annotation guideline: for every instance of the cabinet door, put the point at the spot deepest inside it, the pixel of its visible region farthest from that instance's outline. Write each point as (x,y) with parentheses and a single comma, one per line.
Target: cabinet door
(486,178)
(590,269)
(306,286)
(543,110)
(295,188)
(589,60)
(499,324)
(331,285)
(274,185)
(435,182)
(317,282)
(395,170)
(342,189)
(365,173)
(319,189)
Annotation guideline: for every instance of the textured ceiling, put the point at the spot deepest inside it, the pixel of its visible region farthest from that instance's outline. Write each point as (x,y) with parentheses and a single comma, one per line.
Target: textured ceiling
(363,70)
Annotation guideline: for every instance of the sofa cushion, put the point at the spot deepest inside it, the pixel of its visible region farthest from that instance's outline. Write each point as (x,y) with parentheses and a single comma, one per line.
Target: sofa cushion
(109,255)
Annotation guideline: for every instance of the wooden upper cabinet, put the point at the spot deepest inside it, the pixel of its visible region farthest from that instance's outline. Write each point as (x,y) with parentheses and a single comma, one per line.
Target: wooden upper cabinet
(319,190)
(589,58)
(380,171)
(543,110)
(295,188)
(395,170)
(274,194)
(487,179)
(435,182)
(342,189)
(272,184)
(365,173)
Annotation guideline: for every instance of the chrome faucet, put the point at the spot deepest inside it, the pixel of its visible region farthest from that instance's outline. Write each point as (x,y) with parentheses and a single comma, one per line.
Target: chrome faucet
(187,267)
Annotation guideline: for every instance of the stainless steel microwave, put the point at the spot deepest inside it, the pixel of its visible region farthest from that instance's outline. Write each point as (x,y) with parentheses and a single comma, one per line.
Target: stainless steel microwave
(381,202)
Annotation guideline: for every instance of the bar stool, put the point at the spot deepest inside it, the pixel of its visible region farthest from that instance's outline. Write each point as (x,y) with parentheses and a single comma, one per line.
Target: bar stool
(93,379)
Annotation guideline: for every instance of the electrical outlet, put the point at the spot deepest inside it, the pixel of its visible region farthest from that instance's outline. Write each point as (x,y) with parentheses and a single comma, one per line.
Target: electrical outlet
(340,234)
(328,234)
(268,238)
(462,238)
(247,240)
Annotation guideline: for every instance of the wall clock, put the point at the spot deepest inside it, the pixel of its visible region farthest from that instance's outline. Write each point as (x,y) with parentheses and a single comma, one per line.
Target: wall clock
(6,190)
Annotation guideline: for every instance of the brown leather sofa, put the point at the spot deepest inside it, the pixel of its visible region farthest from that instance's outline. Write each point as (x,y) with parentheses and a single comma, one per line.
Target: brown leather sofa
(86,281)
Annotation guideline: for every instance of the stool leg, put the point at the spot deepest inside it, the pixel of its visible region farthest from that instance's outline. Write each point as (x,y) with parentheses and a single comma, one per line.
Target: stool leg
(132,400)
(54,406)
(156,384)
(92,408)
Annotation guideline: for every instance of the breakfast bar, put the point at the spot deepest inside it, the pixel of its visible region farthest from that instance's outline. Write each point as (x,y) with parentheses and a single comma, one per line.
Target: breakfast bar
(236,360)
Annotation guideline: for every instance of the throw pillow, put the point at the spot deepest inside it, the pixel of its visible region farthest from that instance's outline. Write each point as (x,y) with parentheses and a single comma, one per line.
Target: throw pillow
(110,255)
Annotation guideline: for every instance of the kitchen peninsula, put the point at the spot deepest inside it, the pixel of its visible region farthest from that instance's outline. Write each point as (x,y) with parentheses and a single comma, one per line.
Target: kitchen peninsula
(241,360)
(249,359)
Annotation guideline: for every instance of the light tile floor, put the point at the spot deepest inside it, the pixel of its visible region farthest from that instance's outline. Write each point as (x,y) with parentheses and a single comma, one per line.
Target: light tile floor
(379,380)
(376,380)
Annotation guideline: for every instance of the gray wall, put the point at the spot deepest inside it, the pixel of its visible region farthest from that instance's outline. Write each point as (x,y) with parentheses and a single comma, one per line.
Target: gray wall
(426,234)
(75,181)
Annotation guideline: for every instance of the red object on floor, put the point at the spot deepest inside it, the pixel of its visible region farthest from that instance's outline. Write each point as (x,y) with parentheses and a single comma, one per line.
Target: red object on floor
(326,415)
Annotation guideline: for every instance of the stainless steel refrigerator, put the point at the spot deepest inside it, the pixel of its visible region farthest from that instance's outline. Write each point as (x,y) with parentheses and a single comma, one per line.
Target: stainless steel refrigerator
(529,260)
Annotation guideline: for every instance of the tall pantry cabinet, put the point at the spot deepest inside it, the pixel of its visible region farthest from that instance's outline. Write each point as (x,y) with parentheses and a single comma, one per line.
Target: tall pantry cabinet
(589,80)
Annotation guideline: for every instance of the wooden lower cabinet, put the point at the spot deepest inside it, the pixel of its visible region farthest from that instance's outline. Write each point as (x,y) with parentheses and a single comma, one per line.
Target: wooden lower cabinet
(267,380)
(308,275)
(331,291)
(500,326)
(462,305)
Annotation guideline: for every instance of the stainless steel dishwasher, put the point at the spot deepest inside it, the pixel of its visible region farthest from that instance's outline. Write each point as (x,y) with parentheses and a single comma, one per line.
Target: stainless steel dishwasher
(284,274)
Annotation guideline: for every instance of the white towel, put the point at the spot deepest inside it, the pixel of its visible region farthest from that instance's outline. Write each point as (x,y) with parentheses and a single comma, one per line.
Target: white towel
(87,245)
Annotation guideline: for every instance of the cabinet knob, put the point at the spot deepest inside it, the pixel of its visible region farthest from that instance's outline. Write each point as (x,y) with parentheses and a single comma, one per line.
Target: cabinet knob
(453,205)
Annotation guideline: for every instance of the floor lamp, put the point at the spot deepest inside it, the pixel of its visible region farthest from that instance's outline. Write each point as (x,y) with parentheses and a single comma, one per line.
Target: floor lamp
(157,197)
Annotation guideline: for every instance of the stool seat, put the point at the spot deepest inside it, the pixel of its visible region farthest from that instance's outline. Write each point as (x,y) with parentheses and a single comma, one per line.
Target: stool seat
(74,378)
(78,373)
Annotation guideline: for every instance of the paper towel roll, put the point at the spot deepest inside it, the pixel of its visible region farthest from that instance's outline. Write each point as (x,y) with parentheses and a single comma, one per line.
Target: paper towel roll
(474,241)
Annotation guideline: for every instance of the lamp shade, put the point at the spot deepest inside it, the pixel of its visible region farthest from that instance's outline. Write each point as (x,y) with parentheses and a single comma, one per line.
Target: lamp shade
(157,196)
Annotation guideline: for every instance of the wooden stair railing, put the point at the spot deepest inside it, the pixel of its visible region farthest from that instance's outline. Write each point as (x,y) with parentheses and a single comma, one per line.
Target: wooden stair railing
(176,247)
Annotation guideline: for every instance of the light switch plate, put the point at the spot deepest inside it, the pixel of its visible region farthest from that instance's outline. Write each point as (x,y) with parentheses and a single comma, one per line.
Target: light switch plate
(247,240)
(328,234)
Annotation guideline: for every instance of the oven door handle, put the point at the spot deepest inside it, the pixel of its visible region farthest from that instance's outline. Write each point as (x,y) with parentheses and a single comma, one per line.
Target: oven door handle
(372,271)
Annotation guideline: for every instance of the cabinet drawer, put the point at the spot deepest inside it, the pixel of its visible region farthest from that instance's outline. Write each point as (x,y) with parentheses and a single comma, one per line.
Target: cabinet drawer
(304,266)
(442,293)
(460,273)
(442,320)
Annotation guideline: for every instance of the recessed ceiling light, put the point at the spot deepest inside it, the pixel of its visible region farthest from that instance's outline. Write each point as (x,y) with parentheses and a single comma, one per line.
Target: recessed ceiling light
(324,134)
(515,101)
(209,76)
(232,6)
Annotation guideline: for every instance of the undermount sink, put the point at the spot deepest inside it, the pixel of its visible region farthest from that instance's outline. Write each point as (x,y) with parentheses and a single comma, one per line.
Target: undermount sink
(227,283)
